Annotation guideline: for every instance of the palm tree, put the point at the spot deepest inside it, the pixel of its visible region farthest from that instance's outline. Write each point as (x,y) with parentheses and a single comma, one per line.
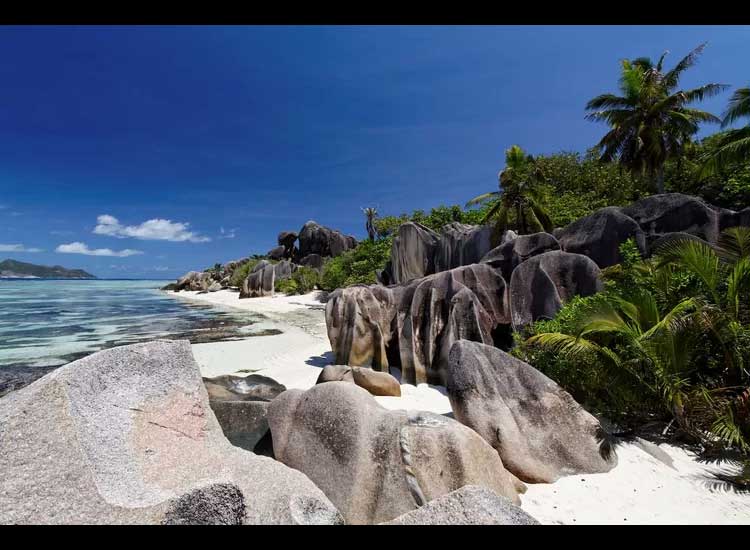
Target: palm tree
(734,146)
(651,121)
(661,349)
(370,214)
(519,194)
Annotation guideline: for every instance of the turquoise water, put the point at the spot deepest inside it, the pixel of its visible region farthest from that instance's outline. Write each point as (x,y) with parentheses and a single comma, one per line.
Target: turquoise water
(51,322)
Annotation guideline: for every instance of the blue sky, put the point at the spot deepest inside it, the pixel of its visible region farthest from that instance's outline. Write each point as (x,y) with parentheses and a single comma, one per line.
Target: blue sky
(150,151)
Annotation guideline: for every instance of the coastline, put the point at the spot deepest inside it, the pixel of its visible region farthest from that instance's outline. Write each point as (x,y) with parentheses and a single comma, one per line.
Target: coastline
(651,484)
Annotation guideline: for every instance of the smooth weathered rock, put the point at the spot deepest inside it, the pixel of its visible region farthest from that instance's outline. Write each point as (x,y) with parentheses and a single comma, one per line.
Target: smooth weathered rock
(314,261)
(515,251)
(537,428)
(244,423)
(14,378)
(262,279)
(469,505)
(287,240)
(377,383)
(413,252)
(358,322)
(376,464)
(126,434)
(542,284)
(276,253)
(600,235)
(674,212)
(254,387)
(195,281)
(462,244)
(317,239)
(214,287)
(464,303)
(412,326)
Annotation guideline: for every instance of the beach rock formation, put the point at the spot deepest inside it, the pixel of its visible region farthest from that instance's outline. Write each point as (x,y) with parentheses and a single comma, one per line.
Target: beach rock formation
(317,239)
(315,261)
(375,382)
(14,378)
(600,235)
(253,387)
(262,278)
(287,240)
(414,325)
(542,284)
(675,212)
(413,252)
(537,428)
(462,244)
(127,435)
(194,280)
(376,464)
(276,253)
(517,250)
(469,505)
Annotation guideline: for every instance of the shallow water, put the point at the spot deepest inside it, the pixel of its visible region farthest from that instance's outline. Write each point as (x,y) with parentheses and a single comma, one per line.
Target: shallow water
(51,322)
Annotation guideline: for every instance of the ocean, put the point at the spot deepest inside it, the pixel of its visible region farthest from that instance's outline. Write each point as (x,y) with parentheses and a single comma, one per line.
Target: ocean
(52,322)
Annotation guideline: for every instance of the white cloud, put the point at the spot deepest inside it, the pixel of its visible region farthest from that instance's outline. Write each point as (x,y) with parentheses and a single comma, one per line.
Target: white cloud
(82,248)
(227,234)
(151,230)
(17,248)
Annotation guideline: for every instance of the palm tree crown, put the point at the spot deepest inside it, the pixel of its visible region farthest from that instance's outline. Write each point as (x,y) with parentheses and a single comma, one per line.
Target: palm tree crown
(519,195)
(370,214)
(651,121)
(735,145)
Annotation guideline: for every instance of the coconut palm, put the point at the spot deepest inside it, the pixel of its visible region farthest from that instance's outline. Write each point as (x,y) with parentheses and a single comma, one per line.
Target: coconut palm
(519,195)
(370,214)
(636,340)
(651,121)
(734,146)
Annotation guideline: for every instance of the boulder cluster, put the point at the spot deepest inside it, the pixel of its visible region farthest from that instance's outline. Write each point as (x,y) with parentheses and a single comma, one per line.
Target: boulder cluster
(316,243)
(439,288)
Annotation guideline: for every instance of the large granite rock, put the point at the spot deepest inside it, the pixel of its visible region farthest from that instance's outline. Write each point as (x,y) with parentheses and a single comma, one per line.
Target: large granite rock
(517,250)
(287,240)
(262,278)
(317,239)
(253,387)
(14,378)
(462,244)
(358,322)
(413,326)
(542,284)
(674,212)
(375,382)
(315,261)
(194,280)
(376,464)
(469,505)
(276,253)
(600,235)
(127,435)
(537,428)
(413,253)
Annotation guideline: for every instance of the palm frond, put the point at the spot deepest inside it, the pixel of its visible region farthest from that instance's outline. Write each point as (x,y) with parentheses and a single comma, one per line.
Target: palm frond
(739,106)
(484,197)
(672,77)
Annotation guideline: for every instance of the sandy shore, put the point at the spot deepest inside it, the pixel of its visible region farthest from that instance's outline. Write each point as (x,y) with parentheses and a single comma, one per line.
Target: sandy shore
(651,484)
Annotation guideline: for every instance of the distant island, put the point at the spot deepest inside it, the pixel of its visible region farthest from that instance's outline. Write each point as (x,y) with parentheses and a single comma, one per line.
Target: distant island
(12,269)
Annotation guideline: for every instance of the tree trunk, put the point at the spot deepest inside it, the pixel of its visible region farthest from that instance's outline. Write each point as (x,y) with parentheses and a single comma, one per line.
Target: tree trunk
(660,180)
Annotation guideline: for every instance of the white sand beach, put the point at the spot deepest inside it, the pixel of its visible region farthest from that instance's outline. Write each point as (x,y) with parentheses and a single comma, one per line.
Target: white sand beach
(651,484)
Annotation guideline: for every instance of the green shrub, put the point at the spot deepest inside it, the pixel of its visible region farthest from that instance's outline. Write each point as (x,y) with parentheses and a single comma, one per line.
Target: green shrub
(241,273)
(355,266)
(287,286)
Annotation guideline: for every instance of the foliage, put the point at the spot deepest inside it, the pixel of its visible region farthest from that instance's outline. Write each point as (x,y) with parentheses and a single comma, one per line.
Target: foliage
(241,273)
(520,201)
(734,145)
(287,286)
(651,121)
(669,336)
(357,265)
